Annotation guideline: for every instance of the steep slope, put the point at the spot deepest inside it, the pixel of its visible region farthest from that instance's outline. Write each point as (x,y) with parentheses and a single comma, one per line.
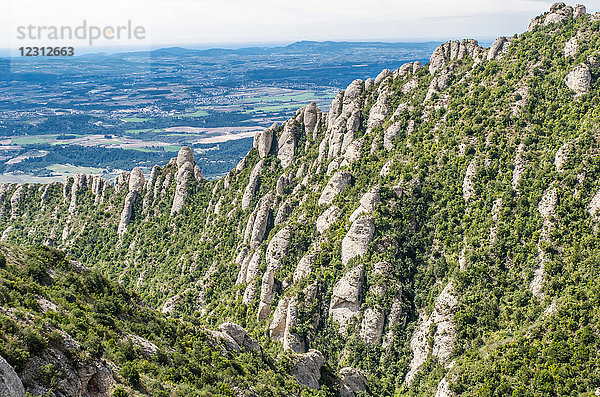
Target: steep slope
(434,233)
(67,331)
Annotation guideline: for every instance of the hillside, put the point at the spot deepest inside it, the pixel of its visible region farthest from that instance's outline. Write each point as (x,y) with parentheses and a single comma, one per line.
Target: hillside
(435,233)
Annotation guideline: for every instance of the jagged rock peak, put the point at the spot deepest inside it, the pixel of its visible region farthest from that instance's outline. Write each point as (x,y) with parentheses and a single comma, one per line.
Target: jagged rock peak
(136,179)
(558,13)
(263,140)
(453,50)
(186,154)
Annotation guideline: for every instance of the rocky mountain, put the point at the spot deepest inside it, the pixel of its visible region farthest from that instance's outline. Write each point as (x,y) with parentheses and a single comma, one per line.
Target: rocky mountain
(435,233)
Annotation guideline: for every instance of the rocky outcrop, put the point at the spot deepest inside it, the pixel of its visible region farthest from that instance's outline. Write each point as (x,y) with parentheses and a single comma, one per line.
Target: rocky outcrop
(311,119)
(343,121)
(240,336)
(345,304)
(259,227)
(546,208)
(352,382)
(499,48)
(307,369)
(520,166)
(443,389)
(252,184)
(305,265)
(285,209)
(263,141)
(579,80)
(558,12)
(444,338)
(327,218)
(368,202)
(571,47)
(86,376)
(10,383)
(338,182)
(379,111)
(358,238)
(371,329)
(385,73)
(285,319)
(136,182)
(276,250)
(186,170)
(455,50)
(468,183)
(287,144)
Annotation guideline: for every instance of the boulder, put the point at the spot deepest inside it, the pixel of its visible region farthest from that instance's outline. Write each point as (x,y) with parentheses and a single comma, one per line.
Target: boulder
(240,336)
(358,238)
(10,383)
(337,183)
(352,382)
(579,79)
(307,369)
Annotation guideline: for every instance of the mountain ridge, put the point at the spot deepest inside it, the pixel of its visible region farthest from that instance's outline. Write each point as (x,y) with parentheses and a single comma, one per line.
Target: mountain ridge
(426,236)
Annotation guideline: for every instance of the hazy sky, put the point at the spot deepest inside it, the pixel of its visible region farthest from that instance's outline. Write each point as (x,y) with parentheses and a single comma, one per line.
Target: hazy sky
(205,23)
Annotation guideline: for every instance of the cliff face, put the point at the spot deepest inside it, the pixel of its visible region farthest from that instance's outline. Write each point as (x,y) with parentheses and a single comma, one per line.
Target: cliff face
(399,239)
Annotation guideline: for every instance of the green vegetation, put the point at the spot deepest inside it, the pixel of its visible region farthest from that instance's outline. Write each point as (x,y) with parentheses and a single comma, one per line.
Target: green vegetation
(492,118)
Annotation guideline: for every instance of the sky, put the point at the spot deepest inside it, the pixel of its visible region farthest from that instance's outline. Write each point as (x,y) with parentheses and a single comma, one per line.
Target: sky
(236,23)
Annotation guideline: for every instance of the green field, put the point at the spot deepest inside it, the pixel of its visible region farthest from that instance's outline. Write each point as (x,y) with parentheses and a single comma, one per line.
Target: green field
(197,113)
(71,169)
(30,140)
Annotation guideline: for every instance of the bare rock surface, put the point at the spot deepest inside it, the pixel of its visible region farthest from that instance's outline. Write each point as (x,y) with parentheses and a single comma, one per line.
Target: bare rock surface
(136,182)
(263,210)
(240,336)
(307,369)
(468,184)
(345,303)
(452,50)
(263,141)
(287,144)
(444,338)
(352,382)
(252,184)
(579,79)
(338,182)
(358,238)
(368,202)
(10,383)
(327,218)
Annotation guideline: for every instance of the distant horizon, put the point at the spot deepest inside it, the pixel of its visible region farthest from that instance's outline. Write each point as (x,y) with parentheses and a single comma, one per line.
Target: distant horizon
(113,50)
